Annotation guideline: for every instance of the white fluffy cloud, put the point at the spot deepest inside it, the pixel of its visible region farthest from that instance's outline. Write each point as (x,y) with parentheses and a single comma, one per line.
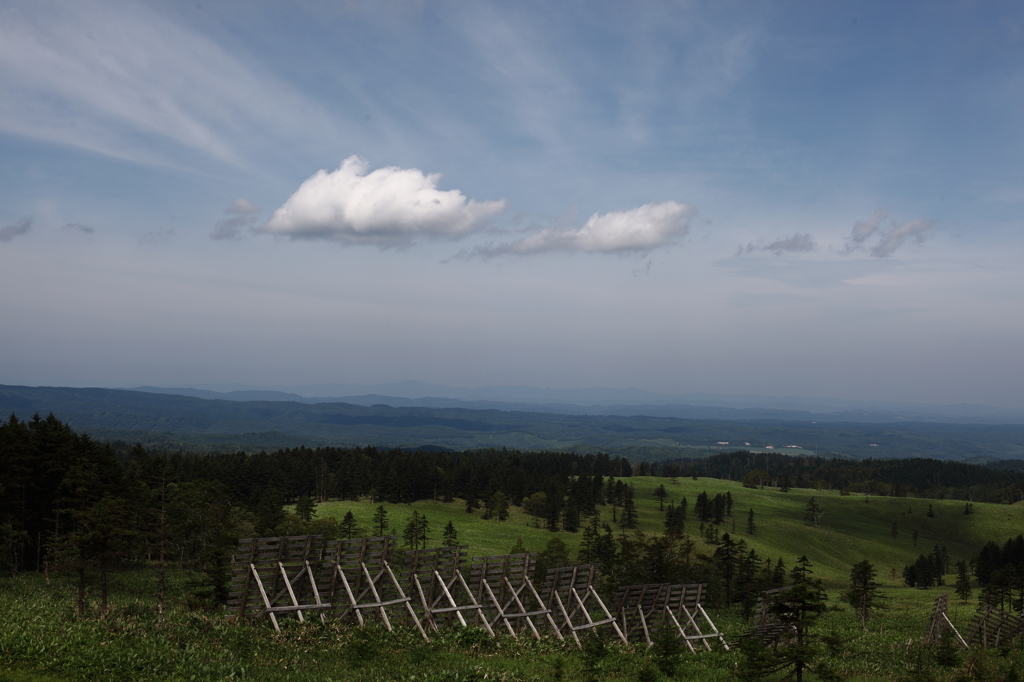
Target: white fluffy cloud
(386,207)
(639,229)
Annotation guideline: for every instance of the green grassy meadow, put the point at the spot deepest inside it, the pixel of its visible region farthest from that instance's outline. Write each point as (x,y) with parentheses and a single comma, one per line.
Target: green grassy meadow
(41,640)
(853,527)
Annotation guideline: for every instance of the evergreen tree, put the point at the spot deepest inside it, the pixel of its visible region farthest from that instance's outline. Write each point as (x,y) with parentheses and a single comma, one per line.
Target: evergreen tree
(554,555)
(269,511)
(751,526)
(798,607)
(813,513)
(347,527)
(604,550)
(726,557)
(380,520)
(497,507)
(629,511)
(718,505)
(416,531)
(963,581)
(553,513)
(661,494)
(571,516)
(703,508)
(305,508)
(779,573)
(449,537)
(864,593)
(588,542)
(667,647)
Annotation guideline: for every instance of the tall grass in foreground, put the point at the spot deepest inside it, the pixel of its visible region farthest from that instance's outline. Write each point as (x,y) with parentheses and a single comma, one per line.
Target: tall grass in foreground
(41,640)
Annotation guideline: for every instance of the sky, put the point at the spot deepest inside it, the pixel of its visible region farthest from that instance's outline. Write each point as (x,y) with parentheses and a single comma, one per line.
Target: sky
(772,198)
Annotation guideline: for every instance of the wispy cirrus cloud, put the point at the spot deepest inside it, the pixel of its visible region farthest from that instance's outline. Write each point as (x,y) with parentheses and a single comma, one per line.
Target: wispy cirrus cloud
(639,230)
(9,232)
(129,82)
(387,207)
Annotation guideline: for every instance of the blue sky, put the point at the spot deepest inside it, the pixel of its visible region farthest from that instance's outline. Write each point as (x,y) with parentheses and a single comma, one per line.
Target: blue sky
(772,198)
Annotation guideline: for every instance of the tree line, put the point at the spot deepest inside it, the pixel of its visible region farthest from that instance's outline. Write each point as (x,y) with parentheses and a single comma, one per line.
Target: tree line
(928,478)
(55,486)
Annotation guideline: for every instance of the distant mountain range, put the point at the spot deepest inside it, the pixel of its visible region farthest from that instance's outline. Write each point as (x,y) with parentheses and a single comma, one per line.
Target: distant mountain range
(608,401)
(213,421)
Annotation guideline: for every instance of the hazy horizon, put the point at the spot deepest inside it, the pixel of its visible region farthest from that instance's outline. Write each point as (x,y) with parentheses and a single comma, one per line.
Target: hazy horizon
(777,199)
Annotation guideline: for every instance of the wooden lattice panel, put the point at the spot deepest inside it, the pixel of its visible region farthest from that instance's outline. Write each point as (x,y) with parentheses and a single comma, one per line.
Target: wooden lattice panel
(686,596)
(422,564)
(767,627)
(275,575)
(435,576)
(569,593)
(940,623)
(502,585)
(355,558)
(992,627)
(502,574)
(642,610)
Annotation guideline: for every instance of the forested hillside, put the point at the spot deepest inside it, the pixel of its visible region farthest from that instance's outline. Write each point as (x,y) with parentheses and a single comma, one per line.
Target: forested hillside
(54,481)
(188,423)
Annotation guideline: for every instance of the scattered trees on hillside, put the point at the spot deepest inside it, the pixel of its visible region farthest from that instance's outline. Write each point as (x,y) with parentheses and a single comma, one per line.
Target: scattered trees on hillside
(416,531)
(929,570)
(496,506)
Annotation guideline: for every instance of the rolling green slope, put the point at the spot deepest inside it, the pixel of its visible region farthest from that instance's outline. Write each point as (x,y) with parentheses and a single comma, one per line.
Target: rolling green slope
(851,528)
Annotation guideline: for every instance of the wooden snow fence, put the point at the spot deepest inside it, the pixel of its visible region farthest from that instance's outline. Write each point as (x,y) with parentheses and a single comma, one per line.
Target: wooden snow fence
(364,579)
(994,627)
(940,623)
(435,576)
(272,576)
(645,609)
(357,577)
(767,626)
(570,593)
(502,584)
